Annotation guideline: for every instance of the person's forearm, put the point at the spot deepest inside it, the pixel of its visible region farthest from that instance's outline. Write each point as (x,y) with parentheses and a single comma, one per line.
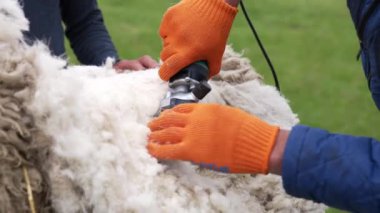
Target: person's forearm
(338,170)
(86,31)
(232,2)
(275,160)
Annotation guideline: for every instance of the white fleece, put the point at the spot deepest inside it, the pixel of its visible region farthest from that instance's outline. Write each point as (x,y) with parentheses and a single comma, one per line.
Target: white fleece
(97,119)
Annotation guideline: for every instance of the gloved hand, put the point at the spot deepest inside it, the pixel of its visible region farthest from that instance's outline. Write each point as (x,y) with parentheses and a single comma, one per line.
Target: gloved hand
(217,137)
(195,30)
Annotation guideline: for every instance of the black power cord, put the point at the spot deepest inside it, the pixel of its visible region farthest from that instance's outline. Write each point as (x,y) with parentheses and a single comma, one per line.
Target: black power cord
(260,45)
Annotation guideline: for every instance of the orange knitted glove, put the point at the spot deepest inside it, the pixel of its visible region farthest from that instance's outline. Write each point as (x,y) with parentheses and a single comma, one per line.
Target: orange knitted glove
(195,30)
(214,136)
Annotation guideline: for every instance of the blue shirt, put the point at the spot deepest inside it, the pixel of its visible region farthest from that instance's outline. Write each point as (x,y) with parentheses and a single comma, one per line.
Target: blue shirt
(84,27)
(341,171)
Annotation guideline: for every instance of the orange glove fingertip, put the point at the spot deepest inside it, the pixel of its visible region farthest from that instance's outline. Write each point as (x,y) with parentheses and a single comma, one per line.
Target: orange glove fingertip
(172,135)
(165,152)
(185,108)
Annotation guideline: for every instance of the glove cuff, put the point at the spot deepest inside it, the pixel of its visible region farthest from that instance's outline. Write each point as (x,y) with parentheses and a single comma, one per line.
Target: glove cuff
(254,146)
(215,10)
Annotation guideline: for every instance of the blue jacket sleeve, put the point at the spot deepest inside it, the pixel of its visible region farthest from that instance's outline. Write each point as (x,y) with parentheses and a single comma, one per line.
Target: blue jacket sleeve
(366,17)
(86,31)
(339,170)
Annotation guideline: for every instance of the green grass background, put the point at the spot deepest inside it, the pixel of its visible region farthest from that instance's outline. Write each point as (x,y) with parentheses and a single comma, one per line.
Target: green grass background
(312,44)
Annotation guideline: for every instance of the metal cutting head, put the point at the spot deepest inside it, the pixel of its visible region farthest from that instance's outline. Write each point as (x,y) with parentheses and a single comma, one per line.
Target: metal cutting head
(187,86)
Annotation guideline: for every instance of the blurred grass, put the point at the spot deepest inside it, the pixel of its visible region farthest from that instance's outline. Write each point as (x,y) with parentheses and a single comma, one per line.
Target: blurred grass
(312,44)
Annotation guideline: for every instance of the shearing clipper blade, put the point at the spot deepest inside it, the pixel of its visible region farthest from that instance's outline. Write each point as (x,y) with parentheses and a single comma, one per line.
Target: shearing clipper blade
(188,86)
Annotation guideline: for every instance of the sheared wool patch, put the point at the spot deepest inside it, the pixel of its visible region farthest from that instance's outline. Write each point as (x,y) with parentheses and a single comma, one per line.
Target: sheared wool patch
(82,133)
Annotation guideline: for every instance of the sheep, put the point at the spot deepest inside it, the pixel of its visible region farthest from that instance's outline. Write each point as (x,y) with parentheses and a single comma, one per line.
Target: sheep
(74,138)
